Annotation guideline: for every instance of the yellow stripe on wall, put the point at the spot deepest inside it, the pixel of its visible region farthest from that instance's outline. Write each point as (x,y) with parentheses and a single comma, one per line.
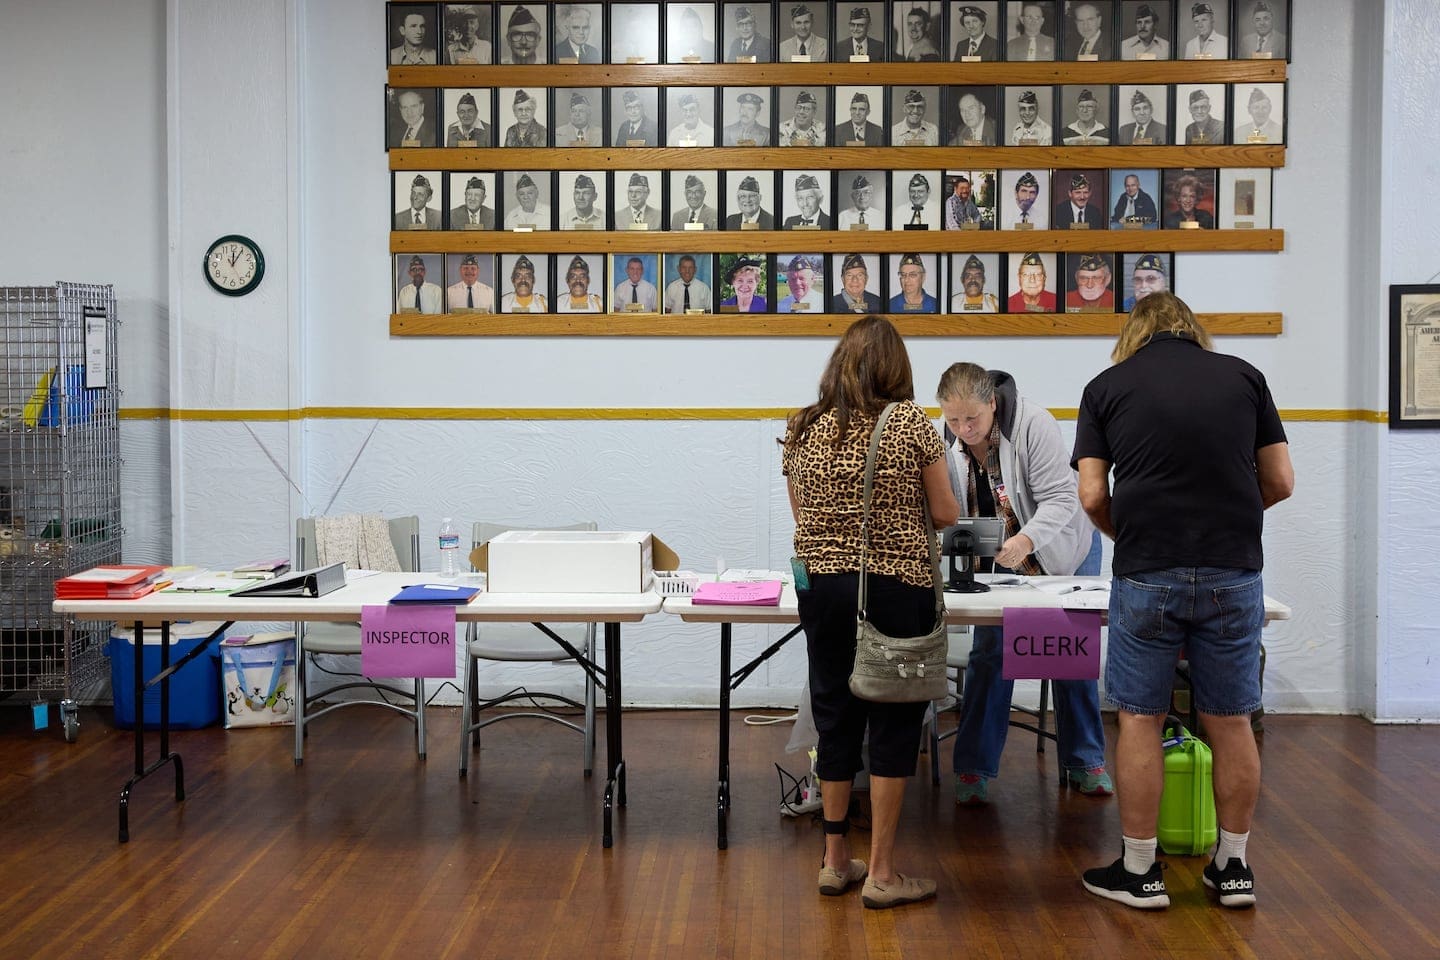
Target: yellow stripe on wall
(602,413)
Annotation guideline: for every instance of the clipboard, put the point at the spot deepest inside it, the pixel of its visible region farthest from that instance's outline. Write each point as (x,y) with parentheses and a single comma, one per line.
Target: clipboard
(315,582)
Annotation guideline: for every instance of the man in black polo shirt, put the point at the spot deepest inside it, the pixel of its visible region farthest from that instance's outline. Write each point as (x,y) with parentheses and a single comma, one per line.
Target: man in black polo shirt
(1198,453)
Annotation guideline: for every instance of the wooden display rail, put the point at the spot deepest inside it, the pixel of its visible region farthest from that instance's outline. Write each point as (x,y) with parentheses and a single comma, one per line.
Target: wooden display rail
(806,325)
(831,74)
(836,241)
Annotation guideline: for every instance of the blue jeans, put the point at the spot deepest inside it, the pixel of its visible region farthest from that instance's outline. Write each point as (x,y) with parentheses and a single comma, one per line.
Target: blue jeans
(1212,614)
(985,707)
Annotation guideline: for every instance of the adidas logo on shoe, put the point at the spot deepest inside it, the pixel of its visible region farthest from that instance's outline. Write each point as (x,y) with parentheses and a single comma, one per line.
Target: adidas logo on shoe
(1157,886)
(1235,884)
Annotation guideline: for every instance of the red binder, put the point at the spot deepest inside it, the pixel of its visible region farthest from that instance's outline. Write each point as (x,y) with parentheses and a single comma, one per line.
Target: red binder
(119,581)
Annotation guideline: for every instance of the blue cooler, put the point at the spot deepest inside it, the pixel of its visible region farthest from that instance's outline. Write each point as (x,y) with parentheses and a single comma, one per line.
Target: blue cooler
(194,688)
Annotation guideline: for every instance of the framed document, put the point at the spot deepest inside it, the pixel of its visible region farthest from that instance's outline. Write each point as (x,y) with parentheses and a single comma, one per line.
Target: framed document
(525,200)
(749,199)
(804,32)
(916,204)
(1189,199)
(1142,274)
(690,33)
(799,282)
(419,283)
(915,283)
(579,32)
(468,33)
(1143,114)
(745,33)
(524,282)
(411,117)
(745,116)
(976,283)
(416,200)
(1081,201)
(1260,112)
(580,117)
(411,38)
(1085,115)
(474,288)
(635,276)
(583,200)
(1089,283)
(1205,103)
(1260,26)
(1089,30)
(1033,284)
(635,113)
(1029,116)
(864,193)
(689,284)
(581,289)
(1135,205)
(972,117)
(690,115)
(974,31)
(1147,29)
(470,197)
(857,283)
(745,283)
(919,29)
(469,120)
(859,117)
(1200,30)
(806,201)
(522,33)
(1031,30)
(914,111)
(1414,356)
(634,33)
(638,199)
(1024,200)
(1244,198)
(968,199)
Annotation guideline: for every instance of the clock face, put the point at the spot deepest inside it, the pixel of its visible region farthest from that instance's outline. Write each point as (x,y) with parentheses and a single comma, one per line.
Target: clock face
(234,265)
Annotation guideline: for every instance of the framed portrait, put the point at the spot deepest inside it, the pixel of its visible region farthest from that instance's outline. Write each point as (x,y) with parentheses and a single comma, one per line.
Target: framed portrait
(914,112)
(914,282)
(1142,113)
(1085,115)
(972,117)
(749,199)
(1029,116)
(1244,198)
(634,33)
(1089,283)
(806,200)
(744,283)
(581,288)
(524,282)
(1146,29)
(639,199)
(635,276)
(1189,199)
(411,37)
(802,112)
(579,117)
(419,283)
(474,288)
(745,116)
(416,199)
(859,117)
(799,282)
(522,33)
(1089,30)
(469,33)
(916,205)
(1024,199)
(1414,356)
(975,31)
(579,32)
(1260,113)
(968,199)
(583,200)
(411,117)
(1080,200)
(635,115)
(469,118)
(860,30)
(1135,205)
(694,200)
(1030,33)
(690,115)
(745,32)
(977,283)
(525,199)
(1142,274)
(471,198)
(919,31)
(1200,30)
(1033,278)
(1205,103)
(689,284)
(803,30)
(524,117)
(863,195)
(857,281)
(690,33)
(1260,28)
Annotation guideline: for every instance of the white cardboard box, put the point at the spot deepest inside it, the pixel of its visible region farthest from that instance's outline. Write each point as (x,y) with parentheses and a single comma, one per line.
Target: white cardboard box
(570,561)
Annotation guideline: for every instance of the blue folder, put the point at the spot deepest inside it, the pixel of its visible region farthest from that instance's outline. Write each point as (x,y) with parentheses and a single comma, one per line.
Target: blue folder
(435,593)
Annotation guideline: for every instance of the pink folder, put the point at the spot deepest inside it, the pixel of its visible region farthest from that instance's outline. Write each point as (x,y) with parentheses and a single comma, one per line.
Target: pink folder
(765,593)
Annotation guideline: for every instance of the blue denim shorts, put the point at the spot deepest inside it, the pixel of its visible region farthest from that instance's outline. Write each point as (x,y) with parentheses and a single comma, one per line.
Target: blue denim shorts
(1210,615)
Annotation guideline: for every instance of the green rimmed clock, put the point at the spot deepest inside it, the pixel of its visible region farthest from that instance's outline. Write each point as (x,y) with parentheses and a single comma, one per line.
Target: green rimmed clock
(234,265)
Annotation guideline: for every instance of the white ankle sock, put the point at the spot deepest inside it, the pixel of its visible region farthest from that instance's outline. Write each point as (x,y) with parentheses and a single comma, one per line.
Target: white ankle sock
(1231,845)
(1139,855)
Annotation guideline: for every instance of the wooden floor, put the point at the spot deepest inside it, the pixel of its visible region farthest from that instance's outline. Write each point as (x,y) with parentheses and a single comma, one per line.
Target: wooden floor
(366,852)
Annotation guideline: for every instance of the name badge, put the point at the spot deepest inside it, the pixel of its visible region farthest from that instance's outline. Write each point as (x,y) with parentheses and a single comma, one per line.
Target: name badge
(974,306)
(634,308)
(1079,226)
(582,226)
(416,226)
(524,228)
(694,310)
(1135,224)
(409,143)
(1145,56)
(799,308)
(516,308)
(800,58)
(859,58)
(690,58)
(972,143)
(1263,55)
(913,142)
(972,225)
(750,225)
(579,142)
(463,310)
(467,143)
(1035,308)
(1204,56)
(638,226)
(917,226)
(568,60)
(409,310)
(749,58)
(805,226)
(913,307)
(1189,224)
(634,143)
(1200,138)
(690,142)
(968,58)
(1024,226)
(1027,142)
(859,226)
(729,308)
(1258,137)
(634,59)
(472,226)
(466,58)
(1244,224)
(694,226)
(854,143)
(1088,57)
(745,143)
(1142,141)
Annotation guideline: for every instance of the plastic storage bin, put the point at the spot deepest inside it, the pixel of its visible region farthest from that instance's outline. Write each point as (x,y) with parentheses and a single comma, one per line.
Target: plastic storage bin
(259,679)
(194,688)
(1187,805)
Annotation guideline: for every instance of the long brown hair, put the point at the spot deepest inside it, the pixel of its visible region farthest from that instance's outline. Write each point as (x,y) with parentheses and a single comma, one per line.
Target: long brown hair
(869,368)
(1155,313)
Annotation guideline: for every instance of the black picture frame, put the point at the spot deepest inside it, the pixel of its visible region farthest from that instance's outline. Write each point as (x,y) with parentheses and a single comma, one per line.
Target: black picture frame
(468,33)
(972,118)
(915,113)
(1079,22)
(807,200)
(746,33)
(580,118)
(744,122)
(970,205)
(702,185)
(591,298)
(870,297)
(1080,192)
(789,102)
(407,186)
(1075,99)
(701,297)
(1027,115)
(1142,115)
(690,33)
(916,187)
(800,282)
(749,193)
(638,200)
(1213,129)
(1248,26)
(991,296)
(1088,273)
(431,289)
(932,286)
(474,105)
(989,46)
(573,189)
(629,129)
(511,270)
(729,269)
(578,34)
(522,33)
(917,29)
(1188,45)
(1158,40)
(854,22)
(645,295)
(1414,356)
(400,117)
(790,19)
(1145,201)
(477,297)
(1137,266)
(1023,265)
(1031,31)
(868,102)
(687,105)
(513,128)
(515,186)
(1175,183)
(1263,105)
(1243,197)
(1015,187)
(635,33)
(458,185)
(412,36)
(862,199)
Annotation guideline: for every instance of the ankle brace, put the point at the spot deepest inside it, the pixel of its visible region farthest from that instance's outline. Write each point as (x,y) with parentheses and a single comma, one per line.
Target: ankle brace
(836,827)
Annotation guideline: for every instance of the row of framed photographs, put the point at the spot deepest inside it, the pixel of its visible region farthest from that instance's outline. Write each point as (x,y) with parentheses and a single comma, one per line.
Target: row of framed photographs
(849,116)
(704,283)
(794,32)
(800,200)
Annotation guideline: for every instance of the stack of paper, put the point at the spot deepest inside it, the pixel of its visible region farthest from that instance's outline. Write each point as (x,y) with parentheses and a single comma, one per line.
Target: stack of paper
(119,581)
(764,593)
(263,569)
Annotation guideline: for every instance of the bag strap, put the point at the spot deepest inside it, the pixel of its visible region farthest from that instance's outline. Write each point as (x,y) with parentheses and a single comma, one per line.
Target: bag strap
(865,526)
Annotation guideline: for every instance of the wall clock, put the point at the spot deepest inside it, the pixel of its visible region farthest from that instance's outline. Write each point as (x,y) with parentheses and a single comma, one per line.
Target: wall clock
(234,265)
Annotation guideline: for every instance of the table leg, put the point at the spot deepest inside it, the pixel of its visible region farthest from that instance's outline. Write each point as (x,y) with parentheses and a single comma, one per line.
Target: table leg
(722,796)
(614,750)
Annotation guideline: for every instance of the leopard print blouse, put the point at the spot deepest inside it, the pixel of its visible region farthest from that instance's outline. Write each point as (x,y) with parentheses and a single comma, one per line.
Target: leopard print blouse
(829,487)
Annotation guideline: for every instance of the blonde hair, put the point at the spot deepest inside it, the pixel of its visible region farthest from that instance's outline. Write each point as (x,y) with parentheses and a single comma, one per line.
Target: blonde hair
(1156,313)
(966,381)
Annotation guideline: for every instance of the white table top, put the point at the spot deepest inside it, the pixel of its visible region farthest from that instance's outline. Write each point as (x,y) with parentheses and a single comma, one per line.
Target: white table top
(972,608)
(344,604)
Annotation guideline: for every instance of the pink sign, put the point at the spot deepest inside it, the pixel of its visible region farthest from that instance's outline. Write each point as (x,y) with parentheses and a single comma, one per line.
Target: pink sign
(1047,643)
(407,640)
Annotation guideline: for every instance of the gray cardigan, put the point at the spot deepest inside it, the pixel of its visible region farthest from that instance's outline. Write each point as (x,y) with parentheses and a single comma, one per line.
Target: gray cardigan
(1035,466)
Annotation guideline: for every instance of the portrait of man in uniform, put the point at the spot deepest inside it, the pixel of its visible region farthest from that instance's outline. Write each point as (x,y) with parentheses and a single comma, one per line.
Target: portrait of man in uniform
(578,293)
(1085,111)
(1034,284)
(689,33)
(523,34)
(636,275)
(1032,30)
(1206,103)
(1263,31)
(527,200)
(747,33)
(1089,283)
(916,277)
(972,289)
(637,212)
(522,114)
(474,292)
(585,193)
(919,207)
(972,28)
(690,284)
(746,121)
(853,124)
(1149,110)
(471,190)
(690,112)
(747,191)
(1134,192)
(467,33)
(412,32)
(529,279)
(800,282)
(415,288)
(637,109)
(1199,33)
(470,126)
(804,28)
(1028,119)
(917,28)
(805,203)
(913,105)
(1264,106)
(857,283)
(866,190)
(690,200)
(577,25)
(805,125)
(1145,273)
(411,115)
(858,33)
(1147,31)
(413,195)
(634,32)
(579,107)
(1024,202)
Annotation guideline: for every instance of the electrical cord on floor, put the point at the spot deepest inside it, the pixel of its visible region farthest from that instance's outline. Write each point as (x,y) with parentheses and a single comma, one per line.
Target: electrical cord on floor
(756,720)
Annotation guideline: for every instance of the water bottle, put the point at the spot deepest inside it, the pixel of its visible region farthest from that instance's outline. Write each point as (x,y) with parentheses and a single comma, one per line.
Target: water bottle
(449,548)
